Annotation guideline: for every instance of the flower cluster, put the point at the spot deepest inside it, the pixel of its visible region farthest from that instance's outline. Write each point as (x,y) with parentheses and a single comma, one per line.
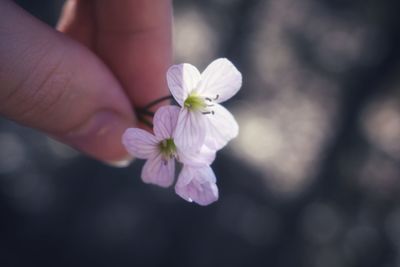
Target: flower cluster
(190,134)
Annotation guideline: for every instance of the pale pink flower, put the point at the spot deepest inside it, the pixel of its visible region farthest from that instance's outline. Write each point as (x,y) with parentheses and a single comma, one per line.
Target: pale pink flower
(202,120)
(197,184)
(160,150)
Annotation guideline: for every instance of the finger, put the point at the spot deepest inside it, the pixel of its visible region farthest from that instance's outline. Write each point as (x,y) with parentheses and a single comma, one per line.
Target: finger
(53,84)
(77,21)
(134,38)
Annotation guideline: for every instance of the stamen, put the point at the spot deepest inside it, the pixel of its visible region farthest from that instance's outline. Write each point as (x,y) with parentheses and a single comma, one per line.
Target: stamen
(212,99)
(167,149)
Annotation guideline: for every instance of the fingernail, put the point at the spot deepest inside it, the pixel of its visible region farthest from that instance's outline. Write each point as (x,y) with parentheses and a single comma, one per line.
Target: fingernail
(120,163)
(100,136)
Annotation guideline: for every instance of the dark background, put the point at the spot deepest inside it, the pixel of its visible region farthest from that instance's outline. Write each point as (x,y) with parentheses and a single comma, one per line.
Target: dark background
(312,180)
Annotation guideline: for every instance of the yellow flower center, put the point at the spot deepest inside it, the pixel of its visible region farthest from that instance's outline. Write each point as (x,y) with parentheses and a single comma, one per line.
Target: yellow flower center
(168,148)
(195,103)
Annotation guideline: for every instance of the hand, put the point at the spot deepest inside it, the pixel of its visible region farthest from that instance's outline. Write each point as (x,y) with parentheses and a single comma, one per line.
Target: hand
(80,86)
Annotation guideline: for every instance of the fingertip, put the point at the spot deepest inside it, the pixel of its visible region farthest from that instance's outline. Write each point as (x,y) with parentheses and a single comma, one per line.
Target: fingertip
(100,137)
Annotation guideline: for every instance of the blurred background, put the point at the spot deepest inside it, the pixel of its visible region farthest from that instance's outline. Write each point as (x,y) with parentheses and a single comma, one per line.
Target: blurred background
(312,180)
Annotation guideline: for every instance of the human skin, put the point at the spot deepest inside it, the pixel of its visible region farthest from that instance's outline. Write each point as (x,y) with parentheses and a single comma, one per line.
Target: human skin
(81,82)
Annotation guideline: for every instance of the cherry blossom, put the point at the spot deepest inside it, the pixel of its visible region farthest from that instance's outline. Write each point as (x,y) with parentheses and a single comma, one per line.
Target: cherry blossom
(202,120)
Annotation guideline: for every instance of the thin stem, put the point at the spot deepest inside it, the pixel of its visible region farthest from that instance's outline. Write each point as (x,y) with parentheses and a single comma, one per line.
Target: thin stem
(144,112)
(155,102)
(145,121)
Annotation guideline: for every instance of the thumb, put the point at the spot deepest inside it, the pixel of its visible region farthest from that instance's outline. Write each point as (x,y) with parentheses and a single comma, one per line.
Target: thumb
(53,84)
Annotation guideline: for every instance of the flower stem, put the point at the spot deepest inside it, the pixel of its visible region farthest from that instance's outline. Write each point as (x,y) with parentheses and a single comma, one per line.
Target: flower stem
(144,111)
(145,121)
(155,102)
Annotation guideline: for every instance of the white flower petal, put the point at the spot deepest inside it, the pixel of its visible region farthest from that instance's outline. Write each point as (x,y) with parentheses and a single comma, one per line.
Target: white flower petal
(140,143)
(165,121)
(190,130)
(158,171)
(203,157)
(197,184)
(182,79)
(220,80)
(221,128)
